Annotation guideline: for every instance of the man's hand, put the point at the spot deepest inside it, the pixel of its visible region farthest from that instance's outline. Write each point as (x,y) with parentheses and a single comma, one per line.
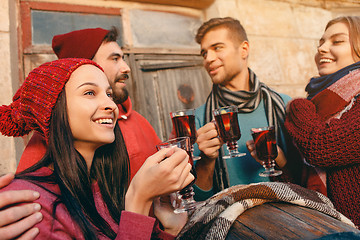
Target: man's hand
(17,221)
(209,144)
(208,141)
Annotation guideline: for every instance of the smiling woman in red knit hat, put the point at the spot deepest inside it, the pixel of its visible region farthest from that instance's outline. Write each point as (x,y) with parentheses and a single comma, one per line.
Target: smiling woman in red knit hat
(326,125)
(69,102)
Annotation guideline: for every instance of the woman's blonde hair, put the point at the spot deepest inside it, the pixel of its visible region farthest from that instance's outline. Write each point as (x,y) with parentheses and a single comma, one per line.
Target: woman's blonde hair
(353,24)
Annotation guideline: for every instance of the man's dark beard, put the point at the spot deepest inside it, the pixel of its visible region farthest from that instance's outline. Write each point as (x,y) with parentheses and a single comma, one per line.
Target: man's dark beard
(121,97)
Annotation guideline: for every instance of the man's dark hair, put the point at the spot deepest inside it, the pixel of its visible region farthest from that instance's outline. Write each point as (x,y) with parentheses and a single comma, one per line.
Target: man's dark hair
(112,35)
(234,26)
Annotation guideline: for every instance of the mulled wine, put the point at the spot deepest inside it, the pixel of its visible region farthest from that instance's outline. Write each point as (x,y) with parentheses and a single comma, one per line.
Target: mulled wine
(266,149)
(185,127)
(227,125)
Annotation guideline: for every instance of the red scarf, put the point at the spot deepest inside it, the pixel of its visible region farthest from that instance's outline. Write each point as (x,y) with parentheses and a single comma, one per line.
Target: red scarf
(333,100)
(331,103)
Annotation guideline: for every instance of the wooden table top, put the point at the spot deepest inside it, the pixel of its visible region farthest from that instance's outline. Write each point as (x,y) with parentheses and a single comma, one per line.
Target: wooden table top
(285,221)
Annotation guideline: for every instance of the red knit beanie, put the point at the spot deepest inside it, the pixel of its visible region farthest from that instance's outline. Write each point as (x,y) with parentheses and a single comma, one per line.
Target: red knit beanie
(34,101)
(79,44)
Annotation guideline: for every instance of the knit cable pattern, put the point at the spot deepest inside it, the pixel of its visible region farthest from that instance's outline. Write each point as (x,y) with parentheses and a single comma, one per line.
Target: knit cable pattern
(34,101)
(333,146)
(324,144)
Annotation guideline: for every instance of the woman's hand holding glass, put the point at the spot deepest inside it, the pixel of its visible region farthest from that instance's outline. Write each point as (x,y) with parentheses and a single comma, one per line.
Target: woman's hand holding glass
(164,211)
(280,160)
(185,197)
(266,149)
(166,171)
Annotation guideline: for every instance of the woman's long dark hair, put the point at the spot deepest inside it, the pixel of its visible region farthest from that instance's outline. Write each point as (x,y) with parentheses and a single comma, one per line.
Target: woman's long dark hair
(110,168)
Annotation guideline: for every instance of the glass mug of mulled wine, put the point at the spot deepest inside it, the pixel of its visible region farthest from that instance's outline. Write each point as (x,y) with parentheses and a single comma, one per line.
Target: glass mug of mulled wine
(227,125)
(266,149)
(184,125)
(185,198)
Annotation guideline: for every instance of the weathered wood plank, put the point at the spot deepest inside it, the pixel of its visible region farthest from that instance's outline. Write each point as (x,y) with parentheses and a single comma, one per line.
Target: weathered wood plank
(159,80)
(198,4)
(320,221)
(285,221)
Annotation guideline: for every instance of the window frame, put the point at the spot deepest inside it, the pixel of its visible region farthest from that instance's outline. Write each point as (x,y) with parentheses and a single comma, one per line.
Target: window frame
(24,31)
(25,15)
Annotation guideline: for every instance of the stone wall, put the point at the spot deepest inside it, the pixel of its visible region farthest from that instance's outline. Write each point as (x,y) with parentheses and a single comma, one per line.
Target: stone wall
(7,145)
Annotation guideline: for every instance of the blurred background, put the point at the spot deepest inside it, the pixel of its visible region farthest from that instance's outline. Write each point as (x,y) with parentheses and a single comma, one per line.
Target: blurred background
(157,37)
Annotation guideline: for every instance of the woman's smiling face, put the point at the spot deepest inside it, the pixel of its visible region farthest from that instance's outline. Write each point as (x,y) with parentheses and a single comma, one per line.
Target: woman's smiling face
(92,113)
(334,51)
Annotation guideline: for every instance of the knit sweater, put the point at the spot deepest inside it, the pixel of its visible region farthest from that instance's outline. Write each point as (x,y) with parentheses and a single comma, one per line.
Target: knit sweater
(63,226)
(333,146)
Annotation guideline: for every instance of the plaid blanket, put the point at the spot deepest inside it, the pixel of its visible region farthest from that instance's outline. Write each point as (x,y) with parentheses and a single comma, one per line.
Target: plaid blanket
(214,217)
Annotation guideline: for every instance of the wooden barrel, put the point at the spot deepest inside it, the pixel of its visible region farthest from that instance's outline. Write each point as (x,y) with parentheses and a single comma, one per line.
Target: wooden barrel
(285,221)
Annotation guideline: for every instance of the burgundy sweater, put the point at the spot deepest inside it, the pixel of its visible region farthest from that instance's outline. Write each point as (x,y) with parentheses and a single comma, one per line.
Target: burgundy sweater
(333,146)
(132,225)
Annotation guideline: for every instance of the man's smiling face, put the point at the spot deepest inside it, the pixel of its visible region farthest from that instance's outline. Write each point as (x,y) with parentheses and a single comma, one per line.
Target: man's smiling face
(111,58)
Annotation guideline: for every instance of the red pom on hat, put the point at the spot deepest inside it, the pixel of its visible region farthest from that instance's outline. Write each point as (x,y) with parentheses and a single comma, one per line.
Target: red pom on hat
(79,44)
(34,101)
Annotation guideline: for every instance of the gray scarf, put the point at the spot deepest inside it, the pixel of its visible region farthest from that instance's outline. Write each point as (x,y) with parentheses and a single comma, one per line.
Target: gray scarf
(247,101)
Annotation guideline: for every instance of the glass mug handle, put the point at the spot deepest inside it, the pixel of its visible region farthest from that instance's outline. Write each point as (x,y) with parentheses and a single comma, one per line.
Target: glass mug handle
(237,154)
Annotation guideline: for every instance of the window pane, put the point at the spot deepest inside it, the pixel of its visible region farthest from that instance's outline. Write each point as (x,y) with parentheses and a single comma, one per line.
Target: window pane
(159,29)
(46,24)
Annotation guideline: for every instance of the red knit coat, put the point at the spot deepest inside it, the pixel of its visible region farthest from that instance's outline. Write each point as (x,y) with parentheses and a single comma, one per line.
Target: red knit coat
(333,146)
